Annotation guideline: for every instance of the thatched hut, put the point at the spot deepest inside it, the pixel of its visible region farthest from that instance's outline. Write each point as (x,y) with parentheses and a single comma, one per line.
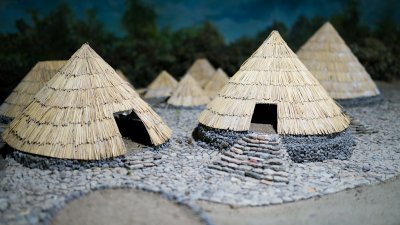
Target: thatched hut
(162,86)
(273,87)
(216,83)
(23,94)
(201,71)
(331,61)
(72,117)
(188,94)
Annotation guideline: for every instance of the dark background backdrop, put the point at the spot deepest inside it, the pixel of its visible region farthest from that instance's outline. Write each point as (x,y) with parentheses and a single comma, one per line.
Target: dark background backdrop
(143,37)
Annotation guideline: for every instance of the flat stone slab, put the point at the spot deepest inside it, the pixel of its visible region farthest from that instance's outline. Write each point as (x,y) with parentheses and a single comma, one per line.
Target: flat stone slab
(125,207)
(262,128)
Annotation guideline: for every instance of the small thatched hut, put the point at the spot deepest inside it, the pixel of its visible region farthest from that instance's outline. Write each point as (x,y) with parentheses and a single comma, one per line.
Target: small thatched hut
(217,82)
(162,86)
(122,75)
(273,87)
(332,62)
(201,71)
(188,93)
(23,94)
(72,117)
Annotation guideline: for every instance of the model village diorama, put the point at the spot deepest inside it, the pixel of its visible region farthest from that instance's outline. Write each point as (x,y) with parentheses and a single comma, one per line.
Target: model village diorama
(279,112)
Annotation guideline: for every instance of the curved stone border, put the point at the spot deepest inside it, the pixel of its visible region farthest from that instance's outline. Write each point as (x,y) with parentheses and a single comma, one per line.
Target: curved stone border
(220,139)
(132,160)
(197,211)
(319,148)
(362,101)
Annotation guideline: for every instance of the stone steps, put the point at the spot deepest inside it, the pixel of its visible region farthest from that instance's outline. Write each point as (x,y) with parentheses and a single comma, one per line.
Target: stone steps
(260,156)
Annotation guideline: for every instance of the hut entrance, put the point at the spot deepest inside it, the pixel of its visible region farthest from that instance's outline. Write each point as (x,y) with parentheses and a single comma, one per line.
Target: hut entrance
(265,118)
(132,127)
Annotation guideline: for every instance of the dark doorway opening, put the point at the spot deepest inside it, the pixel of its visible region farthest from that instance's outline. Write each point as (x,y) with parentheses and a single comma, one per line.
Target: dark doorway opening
(264,115)
(132,127)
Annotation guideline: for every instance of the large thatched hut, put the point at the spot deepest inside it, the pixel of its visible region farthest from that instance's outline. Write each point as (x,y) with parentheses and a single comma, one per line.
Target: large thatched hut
(72,116)
(331,61)
(273,87)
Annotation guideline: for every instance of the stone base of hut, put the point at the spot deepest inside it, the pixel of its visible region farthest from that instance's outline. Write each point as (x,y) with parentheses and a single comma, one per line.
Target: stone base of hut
(300,148)
(220,139)
(363,101)
(137,160)
(319,148)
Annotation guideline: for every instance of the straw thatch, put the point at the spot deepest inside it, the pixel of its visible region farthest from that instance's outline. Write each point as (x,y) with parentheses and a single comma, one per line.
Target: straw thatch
(72,116)
(217,82)
(162,86)
(331,61)
(23,94)
(201,71)
(188,93)
(274,75)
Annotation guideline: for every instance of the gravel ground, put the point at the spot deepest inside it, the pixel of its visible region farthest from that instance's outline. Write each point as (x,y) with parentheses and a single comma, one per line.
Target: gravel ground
(32,195)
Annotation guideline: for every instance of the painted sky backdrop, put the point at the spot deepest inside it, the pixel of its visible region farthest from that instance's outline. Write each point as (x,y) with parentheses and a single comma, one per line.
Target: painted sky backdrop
(234,18)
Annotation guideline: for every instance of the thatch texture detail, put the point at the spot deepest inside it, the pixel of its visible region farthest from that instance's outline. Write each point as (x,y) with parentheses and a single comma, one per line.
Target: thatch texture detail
(72,116)
(274,75)
(217,82)
(188,93)
(35,80)
(201,71)
(332,62)
(162,86)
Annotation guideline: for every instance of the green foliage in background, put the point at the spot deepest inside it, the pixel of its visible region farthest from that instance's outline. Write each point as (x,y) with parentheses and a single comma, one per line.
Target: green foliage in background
(145,49)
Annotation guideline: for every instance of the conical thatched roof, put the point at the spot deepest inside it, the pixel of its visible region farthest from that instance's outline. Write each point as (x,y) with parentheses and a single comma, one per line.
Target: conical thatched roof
(274,75)
(217,82)
(162,86)
(188,93)
(201,71)
(72,116)
(331,61)
(23,94)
